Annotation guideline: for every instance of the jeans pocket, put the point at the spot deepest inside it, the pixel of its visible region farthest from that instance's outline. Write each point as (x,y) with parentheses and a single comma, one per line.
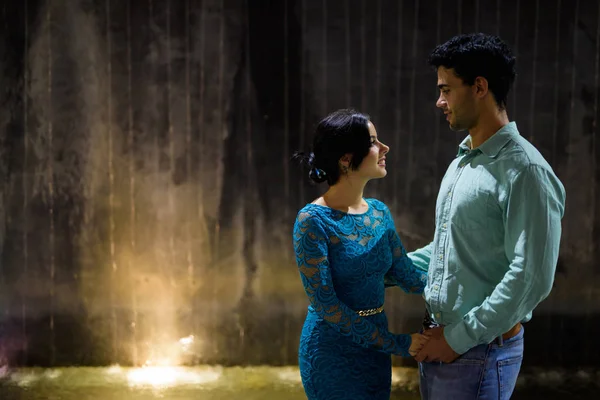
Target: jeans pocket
(508,371)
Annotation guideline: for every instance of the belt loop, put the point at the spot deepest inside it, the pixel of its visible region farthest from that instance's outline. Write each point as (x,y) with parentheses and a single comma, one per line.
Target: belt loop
(500,341)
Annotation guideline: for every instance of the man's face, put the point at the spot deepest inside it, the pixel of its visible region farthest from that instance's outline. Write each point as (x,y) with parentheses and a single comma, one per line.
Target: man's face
(457,100)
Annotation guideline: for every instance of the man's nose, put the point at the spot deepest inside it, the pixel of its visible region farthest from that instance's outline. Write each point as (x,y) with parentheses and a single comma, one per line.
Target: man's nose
(440,103)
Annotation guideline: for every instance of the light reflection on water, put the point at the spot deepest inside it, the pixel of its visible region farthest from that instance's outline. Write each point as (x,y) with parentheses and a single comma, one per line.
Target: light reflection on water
(164,382)
(220,383)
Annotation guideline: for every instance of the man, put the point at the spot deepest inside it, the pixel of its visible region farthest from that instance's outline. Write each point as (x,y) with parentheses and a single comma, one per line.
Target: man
(498,225)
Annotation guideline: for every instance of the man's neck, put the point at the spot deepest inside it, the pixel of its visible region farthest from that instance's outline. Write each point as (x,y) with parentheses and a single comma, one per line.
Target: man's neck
(487,125)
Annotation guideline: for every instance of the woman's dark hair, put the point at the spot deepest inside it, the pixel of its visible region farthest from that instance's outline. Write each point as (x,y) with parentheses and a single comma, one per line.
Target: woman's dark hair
(477,54)
(341,132)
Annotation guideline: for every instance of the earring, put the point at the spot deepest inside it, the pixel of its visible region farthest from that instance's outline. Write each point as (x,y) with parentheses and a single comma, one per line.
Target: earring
(345,170)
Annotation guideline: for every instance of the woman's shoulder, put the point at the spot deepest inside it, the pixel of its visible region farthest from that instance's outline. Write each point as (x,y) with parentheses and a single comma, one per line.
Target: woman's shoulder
(310,214)
(377,205)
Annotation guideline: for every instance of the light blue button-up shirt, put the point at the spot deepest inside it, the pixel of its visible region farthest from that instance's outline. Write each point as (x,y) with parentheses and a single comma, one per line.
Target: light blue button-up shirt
(494,252)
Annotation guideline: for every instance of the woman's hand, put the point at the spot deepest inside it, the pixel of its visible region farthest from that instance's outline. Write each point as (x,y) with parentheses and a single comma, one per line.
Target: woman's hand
(418,341)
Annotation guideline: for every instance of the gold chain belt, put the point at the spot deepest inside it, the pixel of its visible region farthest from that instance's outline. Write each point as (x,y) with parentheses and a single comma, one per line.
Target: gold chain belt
(370,311)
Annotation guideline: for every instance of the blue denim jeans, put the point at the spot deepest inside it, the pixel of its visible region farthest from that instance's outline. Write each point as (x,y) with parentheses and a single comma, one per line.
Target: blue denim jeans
(486,372)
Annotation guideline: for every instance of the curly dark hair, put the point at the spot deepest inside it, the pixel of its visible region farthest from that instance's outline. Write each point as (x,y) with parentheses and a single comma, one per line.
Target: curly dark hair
(478,54)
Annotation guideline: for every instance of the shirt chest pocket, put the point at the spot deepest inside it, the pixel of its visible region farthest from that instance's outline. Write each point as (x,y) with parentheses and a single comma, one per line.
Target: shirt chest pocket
(474,204)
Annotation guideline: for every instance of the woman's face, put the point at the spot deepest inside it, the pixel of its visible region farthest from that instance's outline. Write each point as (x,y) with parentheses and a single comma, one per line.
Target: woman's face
(373,165)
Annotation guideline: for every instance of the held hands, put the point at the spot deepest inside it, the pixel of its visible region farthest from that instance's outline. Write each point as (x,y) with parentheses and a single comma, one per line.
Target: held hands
(418,342)
(436,349)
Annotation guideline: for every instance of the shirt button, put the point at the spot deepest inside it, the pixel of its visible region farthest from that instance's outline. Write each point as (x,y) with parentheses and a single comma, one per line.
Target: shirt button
(445,225)
(441,257)
(436,287)
(438,315)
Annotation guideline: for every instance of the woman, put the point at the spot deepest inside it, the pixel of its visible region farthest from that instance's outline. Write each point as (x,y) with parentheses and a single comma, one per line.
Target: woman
(345,247)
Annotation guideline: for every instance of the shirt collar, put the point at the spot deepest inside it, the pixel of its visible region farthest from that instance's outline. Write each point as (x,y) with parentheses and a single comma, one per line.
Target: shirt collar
(494,144)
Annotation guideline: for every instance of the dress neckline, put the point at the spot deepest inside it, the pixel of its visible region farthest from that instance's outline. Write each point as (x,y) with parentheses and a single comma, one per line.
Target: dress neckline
(344,212)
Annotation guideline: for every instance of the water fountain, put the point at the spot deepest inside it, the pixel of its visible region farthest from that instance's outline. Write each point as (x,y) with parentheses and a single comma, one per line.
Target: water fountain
(147,198)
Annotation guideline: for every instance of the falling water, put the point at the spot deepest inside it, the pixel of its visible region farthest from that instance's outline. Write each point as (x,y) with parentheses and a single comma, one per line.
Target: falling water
(557,75)
(111,185)
(303,69)
(377,184)
(132,188)
(286,111)
(324,56)
(286,151)
(25,180)
(516,53)
(158,233)
(570,140)
(201,144)
(115,211)
(589,320)
(50,173)
(221,136)
(534,80)
(378,63)
(221,132)
(411,109)
(570,144)
(363,56)
(348,58)
(476,15)
(498,17)
(436,126)
(398,114)
(5,312)
(551,321)
(459,8)
(188,141)
(171,146)
(248,228)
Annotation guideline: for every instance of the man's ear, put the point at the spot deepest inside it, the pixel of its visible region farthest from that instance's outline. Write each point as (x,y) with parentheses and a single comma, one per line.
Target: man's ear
(480,87)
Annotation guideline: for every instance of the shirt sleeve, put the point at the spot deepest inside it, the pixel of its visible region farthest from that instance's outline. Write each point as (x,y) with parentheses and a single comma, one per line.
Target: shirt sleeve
(532,230)
(403,272)
(310,244)
(421,257)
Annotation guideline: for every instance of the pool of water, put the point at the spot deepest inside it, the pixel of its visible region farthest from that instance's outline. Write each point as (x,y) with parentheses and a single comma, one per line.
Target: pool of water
(218,383)
(215,383)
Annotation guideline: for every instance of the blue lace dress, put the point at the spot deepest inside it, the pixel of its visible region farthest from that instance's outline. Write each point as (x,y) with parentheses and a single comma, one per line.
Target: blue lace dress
(343,260)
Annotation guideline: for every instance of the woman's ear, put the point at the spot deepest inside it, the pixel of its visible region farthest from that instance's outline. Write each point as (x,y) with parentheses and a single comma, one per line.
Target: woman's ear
(344,163)
(345,160)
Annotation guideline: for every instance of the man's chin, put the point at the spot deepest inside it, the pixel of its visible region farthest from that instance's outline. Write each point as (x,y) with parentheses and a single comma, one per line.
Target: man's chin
(457,128)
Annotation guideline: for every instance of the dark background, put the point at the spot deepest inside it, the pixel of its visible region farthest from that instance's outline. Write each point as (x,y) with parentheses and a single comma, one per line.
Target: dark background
(146,192)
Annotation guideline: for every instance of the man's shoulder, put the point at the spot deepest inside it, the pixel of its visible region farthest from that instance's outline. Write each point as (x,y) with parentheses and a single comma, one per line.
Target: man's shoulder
(521,154)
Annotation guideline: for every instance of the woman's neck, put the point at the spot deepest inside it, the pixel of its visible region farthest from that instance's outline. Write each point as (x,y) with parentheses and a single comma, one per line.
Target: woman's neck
(346,195)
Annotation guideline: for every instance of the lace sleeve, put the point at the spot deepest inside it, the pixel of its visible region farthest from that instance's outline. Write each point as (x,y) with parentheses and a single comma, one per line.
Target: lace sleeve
(310,244)
(403,272)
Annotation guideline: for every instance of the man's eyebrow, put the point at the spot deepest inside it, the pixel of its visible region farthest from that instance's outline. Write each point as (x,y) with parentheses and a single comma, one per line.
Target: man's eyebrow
(442,85)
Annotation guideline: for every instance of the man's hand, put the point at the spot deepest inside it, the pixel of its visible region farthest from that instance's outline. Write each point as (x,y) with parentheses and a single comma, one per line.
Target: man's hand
(418,341)
(436,349)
